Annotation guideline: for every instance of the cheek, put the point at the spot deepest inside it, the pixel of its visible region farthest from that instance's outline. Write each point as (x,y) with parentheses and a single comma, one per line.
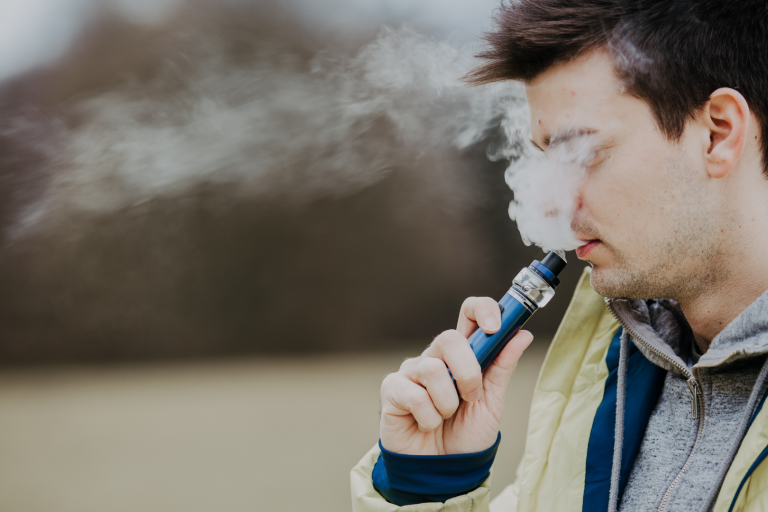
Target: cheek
(602,199)
(622,197)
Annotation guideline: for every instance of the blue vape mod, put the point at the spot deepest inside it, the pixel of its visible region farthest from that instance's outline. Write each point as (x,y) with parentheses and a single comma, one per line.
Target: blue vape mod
(531,289)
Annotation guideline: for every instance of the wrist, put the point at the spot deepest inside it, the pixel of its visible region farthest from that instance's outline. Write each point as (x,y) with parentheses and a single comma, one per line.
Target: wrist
(407,479)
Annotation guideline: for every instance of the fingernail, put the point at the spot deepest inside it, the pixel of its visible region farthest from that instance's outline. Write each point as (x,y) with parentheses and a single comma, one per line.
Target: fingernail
(474,396)
(491,323)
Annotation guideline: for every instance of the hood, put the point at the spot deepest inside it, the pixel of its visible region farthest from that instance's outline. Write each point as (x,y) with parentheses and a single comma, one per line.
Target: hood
(665,337)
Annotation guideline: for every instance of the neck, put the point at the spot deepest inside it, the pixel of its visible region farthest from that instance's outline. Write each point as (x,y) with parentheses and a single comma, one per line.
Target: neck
(740,277)
(709,315)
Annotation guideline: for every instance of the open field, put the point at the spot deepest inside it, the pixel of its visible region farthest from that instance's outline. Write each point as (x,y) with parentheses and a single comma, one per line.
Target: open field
(275,435)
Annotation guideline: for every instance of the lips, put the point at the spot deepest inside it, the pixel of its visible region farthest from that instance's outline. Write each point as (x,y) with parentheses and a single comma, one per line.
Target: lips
(585,249)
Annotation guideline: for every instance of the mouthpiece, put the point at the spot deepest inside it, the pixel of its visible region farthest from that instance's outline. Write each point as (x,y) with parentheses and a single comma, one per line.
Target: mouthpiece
(554,263)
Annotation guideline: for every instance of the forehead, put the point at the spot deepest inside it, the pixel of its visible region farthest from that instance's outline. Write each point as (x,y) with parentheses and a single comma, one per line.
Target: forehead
(581,93)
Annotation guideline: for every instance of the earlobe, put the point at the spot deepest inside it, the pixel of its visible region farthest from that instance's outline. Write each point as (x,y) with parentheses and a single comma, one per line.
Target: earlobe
(726,116)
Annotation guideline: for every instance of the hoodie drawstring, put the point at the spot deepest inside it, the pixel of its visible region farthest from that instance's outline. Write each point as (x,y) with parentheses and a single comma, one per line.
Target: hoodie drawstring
(621,392)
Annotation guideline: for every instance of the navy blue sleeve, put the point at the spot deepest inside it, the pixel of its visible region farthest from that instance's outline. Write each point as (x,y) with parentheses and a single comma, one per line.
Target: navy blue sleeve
(409,479)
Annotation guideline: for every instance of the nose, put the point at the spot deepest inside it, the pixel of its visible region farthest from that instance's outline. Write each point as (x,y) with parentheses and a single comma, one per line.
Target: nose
(578,204)
(579,212)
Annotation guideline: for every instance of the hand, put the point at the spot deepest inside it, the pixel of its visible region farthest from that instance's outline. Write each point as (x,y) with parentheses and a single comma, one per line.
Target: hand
(421,413)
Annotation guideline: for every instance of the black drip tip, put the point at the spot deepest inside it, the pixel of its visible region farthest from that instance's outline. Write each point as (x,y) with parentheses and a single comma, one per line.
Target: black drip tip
(554,263)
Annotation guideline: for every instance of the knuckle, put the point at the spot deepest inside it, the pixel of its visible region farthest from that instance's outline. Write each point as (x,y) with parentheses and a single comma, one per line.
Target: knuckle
(467,303)
(456,346)
(468,383)
(468,375)
(488,305)
(432,367)
(443,338)
(430,422)
(388,383)
(418,398)
(450,411)
(449,408)
(452,336)
(409,363)
(468,308)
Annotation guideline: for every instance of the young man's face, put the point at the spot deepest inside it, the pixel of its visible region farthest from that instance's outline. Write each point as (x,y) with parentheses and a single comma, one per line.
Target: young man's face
(646,204)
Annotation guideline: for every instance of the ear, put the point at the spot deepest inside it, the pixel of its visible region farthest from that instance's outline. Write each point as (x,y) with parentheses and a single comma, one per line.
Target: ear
(726,116)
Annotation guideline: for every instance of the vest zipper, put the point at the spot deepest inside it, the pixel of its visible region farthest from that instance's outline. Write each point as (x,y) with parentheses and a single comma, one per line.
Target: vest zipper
(696,400)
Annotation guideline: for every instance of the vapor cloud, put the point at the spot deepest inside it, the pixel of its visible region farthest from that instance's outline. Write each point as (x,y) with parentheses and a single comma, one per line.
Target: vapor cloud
(274,127)
(280,127)
(547,187)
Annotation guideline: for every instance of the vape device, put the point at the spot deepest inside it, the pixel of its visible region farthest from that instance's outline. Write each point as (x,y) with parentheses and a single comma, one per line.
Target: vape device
(531,289)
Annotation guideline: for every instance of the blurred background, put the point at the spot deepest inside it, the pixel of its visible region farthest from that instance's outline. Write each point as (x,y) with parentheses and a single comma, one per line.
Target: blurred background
(223,222)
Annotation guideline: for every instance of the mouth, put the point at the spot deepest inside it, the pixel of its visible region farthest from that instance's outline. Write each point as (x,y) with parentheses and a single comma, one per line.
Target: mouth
(581,252)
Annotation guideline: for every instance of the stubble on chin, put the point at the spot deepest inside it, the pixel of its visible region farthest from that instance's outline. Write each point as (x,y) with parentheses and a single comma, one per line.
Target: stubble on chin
(615,283)
(618,277)
(646,279)
(627,279)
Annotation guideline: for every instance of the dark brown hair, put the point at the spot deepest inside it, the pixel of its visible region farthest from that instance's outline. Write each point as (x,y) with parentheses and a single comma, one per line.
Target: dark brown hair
(671,53)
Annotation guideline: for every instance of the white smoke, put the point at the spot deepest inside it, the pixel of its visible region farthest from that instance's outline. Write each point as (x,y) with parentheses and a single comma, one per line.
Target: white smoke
(274,127)
(546,188)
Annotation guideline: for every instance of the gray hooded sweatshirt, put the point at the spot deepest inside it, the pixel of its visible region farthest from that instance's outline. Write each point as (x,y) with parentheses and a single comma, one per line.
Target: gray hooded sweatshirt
(703,412)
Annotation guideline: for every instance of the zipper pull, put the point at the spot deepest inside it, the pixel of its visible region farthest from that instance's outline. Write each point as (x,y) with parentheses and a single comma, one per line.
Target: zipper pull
(693,385)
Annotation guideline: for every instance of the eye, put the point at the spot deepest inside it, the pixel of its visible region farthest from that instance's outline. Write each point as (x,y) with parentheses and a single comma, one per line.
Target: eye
(600,157)
(536,146)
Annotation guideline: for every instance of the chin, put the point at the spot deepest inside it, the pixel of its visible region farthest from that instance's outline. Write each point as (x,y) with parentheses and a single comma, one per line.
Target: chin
(596,279)
(610,278)
(628,283)
(607,283)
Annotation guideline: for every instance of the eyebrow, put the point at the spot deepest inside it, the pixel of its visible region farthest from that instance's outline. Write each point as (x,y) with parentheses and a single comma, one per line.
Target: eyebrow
(562,137)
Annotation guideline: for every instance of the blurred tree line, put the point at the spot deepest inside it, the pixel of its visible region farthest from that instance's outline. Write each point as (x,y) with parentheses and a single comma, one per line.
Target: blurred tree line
(212,272)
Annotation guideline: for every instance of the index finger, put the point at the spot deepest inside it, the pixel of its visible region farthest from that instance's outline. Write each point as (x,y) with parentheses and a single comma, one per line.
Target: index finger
(483,312)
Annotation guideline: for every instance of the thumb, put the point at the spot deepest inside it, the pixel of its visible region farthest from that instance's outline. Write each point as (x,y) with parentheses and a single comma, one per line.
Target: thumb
(499,373)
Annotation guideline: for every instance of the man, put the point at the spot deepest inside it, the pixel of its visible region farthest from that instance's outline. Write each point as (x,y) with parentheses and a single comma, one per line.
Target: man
(652,399)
